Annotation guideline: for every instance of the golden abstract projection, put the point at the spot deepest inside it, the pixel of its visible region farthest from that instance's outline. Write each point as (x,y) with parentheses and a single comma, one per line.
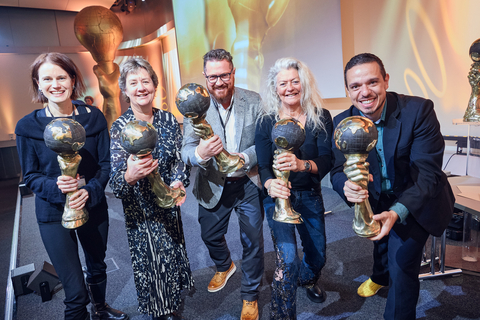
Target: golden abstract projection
(253,19)
(100,31)
(238,26)
(473,110)
(415,7)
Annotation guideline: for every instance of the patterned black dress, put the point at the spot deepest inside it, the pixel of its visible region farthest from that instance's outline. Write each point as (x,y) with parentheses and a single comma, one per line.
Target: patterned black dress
(155,235)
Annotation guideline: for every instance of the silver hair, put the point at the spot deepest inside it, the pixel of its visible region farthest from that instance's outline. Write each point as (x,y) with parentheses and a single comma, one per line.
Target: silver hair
(131,66)
(311,101)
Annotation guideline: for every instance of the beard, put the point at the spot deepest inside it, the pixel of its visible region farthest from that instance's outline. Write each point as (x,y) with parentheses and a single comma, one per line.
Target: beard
(223,97)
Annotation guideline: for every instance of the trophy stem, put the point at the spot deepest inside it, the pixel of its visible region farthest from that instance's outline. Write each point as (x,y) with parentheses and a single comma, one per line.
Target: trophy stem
(166,197)
(71,218)
(283,207)
(363,223)
(226,162)
(107,66)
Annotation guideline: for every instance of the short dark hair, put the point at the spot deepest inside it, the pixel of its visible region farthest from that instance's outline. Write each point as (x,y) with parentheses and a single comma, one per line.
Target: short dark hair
(63,62)
(361,59)
(88,97)
(217,55)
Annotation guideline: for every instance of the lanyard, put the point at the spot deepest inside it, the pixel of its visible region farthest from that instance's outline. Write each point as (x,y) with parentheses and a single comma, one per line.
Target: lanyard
(229,112)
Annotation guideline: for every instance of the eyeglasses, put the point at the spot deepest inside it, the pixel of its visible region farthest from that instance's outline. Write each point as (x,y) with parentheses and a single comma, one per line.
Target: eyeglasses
(225,77)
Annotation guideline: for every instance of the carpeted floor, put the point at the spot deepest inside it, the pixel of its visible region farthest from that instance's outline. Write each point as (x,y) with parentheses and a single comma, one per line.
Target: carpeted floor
(348,264)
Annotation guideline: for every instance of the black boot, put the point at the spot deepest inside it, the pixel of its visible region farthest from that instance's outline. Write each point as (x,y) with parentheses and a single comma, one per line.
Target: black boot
(100,309)
(316,294)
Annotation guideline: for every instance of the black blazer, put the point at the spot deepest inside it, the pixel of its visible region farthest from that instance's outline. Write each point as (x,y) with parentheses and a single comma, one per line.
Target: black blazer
(413,148)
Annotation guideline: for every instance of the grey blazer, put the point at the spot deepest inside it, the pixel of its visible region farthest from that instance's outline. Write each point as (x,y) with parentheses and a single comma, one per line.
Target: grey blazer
(209,181)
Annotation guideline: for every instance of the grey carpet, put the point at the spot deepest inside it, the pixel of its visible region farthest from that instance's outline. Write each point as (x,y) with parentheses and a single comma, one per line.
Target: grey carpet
(348,264)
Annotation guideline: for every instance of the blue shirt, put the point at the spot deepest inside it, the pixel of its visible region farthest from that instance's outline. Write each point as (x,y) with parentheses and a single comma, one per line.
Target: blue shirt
(399,208)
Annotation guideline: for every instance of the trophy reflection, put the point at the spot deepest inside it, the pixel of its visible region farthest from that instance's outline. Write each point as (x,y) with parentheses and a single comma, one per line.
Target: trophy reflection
(288,135)
(65,137)
(100,31)
(355,137)
(193,101)
(139,138)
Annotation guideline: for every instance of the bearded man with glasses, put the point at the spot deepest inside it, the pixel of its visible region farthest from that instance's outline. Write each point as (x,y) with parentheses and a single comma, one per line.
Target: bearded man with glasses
(232,115)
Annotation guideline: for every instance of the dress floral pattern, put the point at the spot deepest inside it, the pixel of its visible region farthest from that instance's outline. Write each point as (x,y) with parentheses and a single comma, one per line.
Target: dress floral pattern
(155,235)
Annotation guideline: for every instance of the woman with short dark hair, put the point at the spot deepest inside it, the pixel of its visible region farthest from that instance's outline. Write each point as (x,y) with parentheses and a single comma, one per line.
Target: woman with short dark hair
(57,82)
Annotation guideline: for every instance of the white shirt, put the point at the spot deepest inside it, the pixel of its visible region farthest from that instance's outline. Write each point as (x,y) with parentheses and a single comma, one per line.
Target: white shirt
(228,119)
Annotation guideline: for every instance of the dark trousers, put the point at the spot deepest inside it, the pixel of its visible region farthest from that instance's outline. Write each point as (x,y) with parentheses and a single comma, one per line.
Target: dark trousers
(397,259)
(243,196)
(290,272)
(62,248)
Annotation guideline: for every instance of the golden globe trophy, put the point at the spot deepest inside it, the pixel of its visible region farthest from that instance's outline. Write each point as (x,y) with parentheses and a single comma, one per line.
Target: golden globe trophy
(100,31)
(472,114)
(355,137)
(288,135)
(193,101)
(139,138)
(65,137)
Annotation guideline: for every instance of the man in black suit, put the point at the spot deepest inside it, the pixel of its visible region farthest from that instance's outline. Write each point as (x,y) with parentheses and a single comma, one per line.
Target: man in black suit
(408,191)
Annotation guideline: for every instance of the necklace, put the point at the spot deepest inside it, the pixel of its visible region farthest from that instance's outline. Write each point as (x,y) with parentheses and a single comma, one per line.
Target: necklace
(71,115)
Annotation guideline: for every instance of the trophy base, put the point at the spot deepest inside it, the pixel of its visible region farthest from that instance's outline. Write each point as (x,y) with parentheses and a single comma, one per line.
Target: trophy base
(77,222)
(170,201)
(287,217)
(367,232)
(230,166)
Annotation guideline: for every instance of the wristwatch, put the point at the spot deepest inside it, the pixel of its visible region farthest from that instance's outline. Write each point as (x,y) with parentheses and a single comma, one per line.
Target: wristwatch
(307,165)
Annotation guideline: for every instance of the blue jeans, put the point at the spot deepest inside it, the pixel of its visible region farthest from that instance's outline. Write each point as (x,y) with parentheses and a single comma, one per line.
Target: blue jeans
(290,272)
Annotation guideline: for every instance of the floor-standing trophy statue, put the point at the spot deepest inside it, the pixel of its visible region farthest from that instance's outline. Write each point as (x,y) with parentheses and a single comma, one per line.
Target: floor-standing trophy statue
(65,137)
(288,135)
(100,31)
(355,137)
(139,138)
(473,110)
(193,101)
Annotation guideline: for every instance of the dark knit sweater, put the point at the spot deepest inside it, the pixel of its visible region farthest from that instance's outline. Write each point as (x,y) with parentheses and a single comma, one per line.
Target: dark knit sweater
(40,166)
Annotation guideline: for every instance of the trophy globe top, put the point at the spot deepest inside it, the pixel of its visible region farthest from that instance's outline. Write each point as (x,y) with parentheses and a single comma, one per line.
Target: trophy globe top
(192,100)
(138,137)
(288,134)
(356,135)
(64,136)
(475,51)
(100,31)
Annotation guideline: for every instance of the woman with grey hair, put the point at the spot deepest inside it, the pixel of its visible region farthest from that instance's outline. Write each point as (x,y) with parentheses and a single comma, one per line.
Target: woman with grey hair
(292,93)
(155,235)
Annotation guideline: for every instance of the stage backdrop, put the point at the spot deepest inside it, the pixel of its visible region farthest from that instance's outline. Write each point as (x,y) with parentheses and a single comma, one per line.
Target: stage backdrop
(257,33)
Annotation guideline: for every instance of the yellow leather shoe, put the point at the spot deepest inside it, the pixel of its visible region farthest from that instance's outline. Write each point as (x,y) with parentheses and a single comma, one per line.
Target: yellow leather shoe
(368,288)
(220,279)
(249,310)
